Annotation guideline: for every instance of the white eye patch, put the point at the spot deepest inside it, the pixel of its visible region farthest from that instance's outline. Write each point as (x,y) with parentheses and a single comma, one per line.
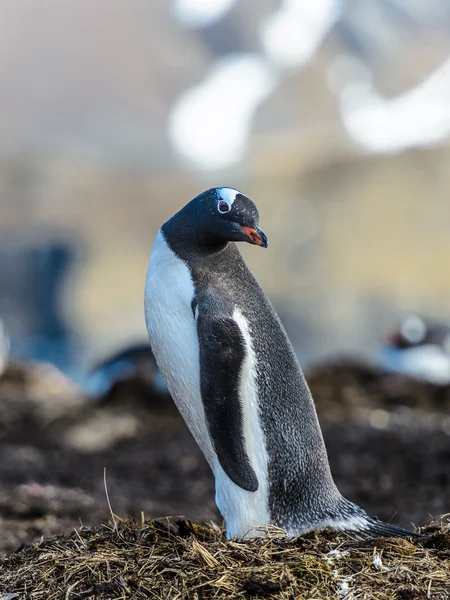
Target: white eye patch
(227,195)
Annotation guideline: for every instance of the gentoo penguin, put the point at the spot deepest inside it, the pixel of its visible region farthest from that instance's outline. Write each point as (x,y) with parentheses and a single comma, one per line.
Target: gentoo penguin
(418,348)
(234,376)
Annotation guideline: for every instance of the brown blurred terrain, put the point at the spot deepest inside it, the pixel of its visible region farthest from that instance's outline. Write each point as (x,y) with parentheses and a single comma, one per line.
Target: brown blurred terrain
(387,439)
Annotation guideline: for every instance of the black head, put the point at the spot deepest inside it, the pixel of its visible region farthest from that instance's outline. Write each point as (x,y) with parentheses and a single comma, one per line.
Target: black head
(214,218)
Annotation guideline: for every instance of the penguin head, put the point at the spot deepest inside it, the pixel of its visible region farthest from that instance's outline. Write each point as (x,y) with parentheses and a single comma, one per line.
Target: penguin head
(411,332)
(414,331)
(218,216)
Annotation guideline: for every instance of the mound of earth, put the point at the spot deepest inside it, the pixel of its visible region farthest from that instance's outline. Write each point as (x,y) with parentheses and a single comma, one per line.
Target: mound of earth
(183,560)
(347,388)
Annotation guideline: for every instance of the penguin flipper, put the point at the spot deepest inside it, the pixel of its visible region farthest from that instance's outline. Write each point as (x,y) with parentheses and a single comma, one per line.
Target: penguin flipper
(222,354)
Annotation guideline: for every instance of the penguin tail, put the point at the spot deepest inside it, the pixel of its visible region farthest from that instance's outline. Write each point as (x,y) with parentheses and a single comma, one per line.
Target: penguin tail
(376,529)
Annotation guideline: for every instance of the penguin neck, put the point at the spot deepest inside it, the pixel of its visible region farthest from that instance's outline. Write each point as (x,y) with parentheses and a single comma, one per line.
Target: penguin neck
(189,243)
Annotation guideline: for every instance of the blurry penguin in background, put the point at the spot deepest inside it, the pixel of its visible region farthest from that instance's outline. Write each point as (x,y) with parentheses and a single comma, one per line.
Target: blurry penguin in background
(37,339)
(418,348)
(131,371)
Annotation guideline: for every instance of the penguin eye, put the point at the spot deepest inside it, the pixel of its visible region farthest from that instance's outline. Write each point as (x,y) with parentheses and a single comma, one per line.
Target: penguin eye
(223,206)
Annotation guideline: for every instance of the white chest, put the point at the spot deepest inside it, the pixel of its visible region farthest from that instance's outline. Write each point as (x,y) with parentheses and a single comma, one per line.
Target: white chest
(169,291)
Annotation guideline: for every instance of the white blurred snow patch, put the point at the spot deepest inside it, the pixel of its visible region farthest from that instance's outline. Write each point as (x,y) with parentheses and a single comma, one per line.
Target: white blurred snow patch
(210,123)
(4,347)
(377,562)
(418,117)
(200,13)
(293,34)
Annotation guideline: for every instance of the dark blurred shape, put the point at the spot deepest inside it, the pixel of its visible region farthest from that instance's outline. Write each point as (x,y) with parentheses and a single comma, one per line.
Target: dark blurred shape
(351,389)
(129,396)
(224,37)
(129,373)
(33,273)
(420,348)
(414,331)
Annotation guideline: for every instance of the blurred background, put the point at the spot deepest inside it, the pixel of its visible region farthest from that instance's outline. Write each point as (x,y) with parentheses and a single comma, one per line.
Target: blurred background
(334,117)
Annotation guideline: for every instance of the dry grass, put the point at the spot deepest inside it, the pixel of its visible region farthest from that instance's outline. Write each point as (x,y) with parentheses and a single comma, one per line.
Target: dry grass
(160,559)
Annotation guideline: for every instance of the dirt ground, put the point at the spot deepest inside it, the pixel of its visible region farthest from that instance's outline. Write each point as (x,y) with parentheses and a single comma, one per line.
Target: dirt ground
(388,440)
(186,561)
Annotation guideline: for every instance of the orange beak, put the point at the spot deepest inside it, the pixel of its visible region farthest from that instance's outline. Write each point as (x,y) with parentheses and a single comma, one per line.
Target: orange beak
(256,236)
